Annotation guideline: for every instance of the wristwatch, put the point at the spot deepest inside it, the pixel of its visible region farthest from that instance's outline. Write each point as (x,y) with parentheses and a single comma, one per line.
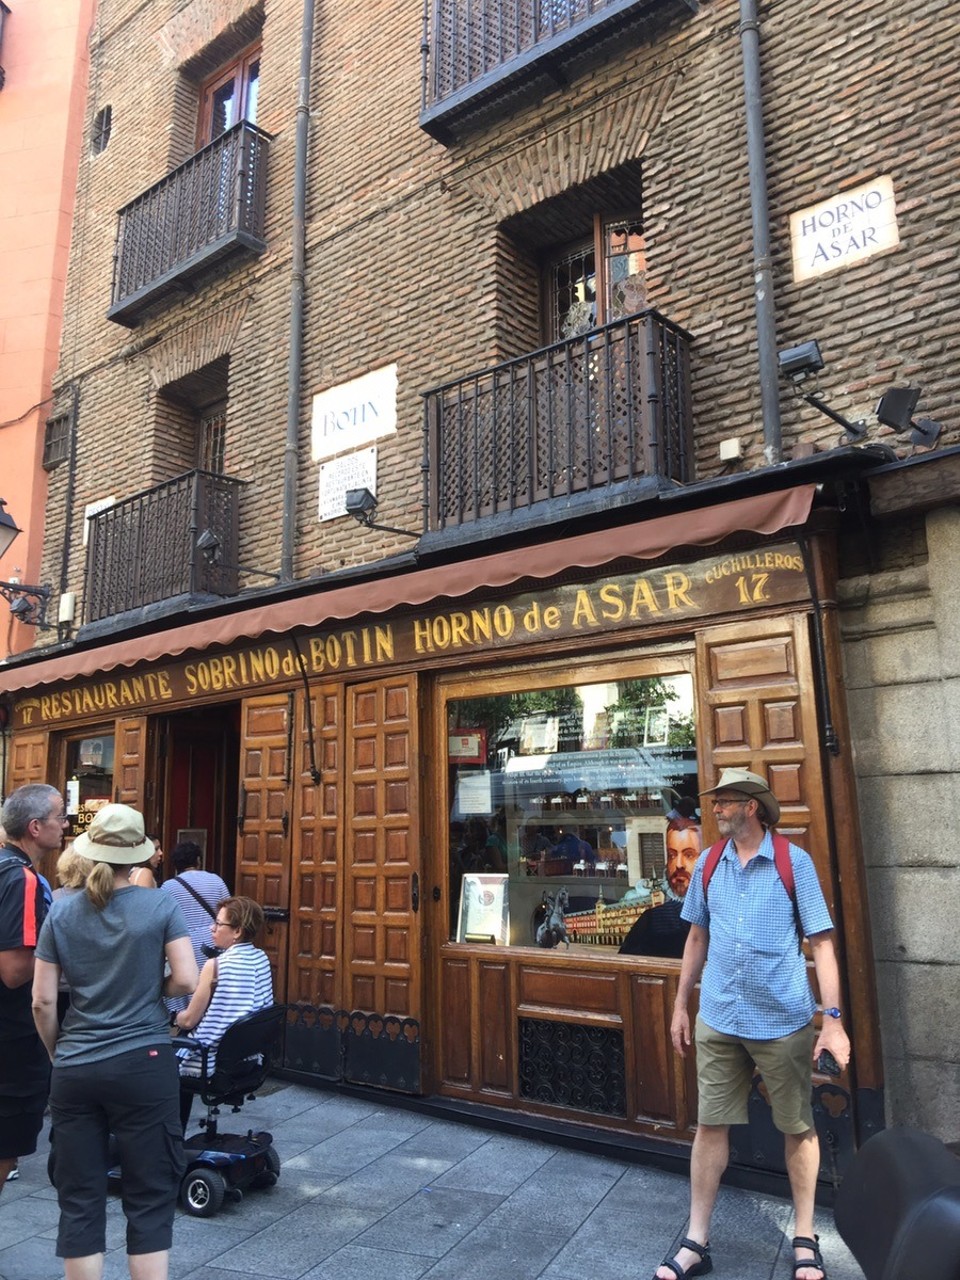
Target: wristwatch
(832,1013)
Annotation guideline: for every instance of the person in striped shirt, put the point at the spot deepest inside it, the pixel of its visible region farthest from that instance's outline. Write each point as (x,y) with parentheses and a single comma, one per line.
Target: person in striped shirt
(232,984)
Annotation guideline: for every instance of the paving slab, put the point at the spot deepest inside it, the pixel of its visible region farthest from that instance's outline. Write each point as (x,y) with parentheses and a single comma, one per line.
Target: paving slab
(370,1192)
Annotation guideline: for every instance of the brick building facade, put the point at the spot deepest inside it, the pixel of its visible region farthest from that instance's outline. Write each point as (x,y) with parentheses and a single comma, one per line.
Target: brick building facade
(468,205)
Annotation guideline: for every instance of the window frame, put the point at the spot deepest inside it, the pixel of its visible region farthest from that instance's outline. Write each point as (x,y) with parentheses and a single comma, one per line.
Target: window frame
(673,659)
(597,239)
(237,71)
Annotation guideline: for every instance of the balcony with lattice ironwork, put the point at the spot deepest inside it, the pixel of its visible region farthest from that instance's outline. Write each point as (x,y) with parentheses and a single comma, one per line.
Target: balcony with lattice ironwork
(209,209)
(485,58)
(143,551)
(596,421)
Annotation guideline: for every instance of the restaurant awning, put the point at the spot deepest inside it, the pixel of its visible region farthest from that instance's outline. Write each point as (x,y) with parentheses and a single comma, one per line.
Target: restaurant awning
(764,513)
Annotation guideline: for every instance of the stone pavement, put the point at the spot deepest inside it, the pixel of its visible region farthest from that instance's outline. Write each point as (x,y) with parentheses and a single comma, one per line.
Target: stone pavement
(372,1192)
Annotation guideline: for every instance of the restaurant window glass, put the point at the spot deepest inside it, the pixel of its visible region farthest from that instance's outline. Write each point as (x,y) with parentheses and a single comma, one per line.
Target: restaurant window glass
(563,804)
(89,768)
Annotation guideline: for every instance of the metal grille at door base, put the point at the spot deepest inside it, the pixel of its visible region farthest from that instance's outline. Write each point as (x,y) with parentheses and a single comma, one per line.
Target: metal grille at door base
(572,1066)
(375,1049)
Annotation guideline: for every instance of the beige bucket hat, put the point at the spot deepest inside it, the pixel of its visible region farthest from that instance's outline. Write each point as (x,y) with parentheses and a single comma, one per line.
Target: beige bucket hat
(115,835)
(748,784)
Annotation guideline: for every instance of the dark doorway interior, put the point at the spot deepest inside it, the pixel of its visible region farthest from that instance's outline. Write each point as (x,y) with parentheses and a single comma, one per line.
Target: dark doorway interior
(201,757)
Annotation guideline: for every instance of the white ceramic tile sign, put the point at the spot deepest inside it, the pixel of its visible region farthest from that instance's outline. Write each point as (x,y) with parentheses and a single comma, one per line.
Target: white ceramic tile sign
(844,230)
(355,471)
(94,509)
(354,413)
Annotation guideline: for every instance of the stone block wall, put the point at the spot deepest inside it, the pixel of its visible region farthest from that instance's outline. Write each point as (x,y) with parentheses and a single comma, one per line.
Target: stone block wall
(903,687)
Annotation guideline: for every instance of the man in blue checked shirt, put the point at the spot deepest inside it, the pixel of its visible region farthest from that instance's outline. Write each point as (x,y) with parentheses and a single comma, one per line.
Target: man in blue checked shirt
(756,1009)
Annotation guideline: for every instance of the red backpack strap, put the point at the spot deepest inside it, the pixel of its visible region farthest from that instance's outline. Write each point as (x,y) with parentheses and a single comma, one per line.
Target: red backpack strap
(784,865)
(781,858)
(714,854)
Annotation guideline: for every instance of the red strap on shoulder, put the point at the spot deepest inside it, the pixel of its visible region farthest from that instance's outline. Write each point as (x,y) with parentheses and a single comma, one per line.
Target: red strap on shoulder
(781,858)
(714,854)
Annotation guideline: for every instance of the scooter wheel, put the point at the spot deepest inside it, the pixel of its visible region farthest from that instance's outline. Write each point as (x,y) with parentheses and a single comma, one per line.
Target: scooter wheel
(202,1192)
(268,1176)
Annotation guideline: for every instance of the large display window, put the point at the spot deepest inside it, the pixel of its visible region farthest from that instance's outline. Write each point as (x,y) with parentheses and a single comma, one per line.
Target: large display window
(572,808)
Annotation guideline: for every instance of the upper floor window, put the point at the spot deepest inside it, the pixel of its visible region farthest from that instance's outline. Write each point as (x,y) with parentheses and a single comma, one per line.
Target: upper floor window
(229,96)
(597,279)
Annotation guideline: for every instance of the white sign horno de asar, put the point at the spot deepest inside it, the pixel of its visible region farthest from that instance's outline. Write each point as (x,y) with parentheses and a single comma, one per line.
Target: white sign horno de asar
(844,230)
(354,413)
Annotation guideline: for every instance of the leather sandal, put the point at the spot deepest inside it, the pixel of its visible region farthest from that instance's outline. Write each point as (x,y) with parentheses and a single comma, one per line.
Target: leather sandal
(805,1242)
(698,1268)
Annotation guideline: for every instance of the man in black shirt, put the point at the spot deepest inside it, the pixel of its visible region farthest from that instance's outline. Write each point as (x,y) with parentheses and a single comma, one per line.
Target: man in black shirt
(33,819)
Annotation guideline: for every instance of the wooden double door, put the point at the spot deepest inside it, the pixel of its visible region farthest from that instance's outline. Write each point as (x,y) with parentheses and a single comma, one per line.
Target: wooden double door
(329,844)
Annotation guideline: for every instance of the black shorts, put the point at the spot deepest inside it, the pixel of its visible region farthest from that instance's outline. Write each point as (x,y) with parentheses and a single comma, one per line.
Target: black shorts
(24,1085)
(135,1097)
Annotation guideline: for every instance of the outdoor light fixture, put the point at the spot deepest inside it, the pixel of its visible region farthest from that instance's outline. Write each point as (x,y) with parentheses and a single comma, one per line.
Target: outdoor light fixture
(8,528)
(896,409)
(208,544)
(362,505)
(797,364)
(27,604)
(800,363)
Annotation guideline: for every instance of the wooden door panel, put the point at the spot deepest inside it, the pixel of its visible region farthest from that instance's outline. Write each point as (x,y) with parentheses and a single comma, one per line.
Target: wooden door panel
(381,945)
(314,886)
(29,763)
(263,844)
(130,768)
(28,760)
(755,683)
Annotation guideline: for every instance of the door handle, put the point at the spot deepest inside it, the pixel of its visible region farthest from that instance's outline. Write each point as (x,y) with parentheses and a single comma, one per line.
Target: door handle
(415,892)
(242,807)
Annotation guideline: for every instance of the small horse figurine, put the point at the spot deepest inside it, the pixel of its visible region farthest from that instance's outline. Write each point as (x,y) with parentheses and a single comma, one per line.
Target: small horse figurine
(553,930)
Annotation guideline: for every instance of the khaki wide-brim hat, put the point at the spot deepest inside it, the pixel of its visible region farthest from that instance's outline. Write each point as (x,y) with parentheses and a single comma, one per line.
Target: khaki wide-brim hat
(748,784)
(115,835)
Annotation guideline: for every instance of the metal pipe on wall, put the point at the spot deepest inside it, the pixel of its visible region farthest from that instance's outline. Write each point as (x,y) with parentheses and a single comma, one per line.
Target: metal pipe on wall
(291,453)
(760,215)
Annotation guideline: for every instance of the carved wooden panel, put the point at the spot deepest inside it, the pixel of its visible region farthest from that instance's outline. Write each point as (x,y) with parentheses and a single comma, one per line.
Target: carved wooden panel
(263,846)
(495,1038)
(381,970)
(130,766)
(456,1022)
(654,1075)
(28,760)
(758,712)
(314,884)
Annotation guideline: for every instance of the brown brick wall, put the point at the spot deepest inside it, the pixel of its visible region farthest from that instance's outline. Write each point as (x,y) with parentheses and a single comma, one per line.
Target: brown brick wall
(407,262)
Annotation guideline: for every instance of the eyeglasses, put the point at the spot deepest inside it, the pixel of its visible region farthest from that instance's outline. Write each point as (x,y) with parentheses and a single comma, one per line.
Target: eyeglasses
(725,804)
(221,924)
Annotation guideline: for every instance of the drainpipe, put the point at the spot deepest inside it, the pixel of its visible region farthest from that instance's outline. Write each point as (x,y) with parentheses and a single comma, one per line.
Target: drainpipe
(760,214)
(68,497)
(291,453)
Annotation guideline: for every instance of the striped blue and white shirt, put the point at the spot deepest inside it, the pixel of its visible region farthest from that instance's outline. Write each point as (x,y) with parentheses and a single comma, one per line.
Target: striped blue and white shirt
(754,983)
(244,985)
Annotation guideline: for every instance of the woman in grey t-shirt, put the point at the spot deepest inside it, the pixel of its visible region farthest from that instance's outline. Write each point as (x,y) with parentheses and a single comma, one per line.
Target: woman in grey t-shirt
(114,1070)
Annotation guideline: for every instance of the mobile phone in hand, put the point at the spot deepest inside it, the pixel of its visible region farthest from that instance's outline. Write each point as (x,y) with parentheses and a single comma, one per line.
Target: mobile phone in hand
(828,1064)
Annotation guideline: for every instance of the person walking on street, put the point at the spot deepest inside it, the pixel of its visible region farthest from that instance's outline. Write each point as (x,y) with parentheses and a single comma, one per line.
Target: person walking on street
(114,1070)
(756,1009)
(33,820)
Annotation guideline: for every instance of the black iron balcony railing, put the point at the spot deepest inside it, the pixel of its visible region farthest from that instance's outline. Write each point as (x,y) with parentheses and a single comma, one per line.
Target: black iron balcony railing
(476,52)
(209,208)
(609,408)
(143,549)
